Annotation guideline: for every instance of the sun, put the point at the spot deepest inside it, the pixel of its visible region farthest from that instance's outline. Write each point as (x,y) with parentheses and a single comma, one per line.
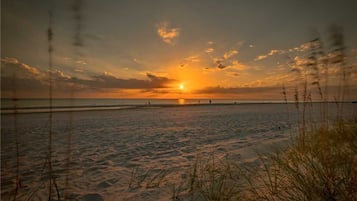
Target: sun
(182,87)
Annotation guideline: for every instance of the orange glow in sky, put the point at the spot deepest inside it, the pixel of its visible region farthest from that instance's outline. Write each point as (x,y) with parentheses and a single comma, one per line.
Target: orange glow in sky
(187,53)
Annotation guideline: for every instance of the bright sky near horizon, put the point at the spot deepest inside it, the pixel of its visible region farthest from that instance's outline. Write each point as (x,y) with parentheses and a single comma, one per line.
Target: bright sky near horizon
(166,48)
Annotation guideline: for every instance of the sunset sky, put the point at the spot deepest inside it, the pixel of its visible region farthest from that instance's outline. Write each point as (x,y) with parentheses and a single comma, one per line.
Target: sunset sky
(166,49)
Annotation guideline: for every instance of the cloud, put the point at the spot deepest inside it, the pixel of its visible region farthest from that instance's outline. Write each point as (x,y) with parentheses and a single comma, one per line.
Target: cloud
(225,60)
(158,81)
(234,68)
(229,64)
(270,53)
(109,81)
(229,54)
(11,66)
(17,76)
(30,81)
(82,62)
(209,50)
(300,61)
(11,86)
(192,59)
(303,47)
(219,64)
(166,33)
(237,65)
(260,57)
(240,90)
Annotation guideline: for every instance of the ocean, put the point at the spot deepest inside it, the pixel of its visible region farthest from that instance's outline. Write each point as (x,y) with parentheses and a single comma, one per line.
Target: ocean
(61,105)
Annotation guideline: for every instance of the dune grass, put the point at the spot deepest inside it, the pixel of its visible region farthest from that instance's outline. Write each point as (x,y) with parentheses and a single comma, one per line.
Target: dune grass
(325,168)
(210,178)
(320,163)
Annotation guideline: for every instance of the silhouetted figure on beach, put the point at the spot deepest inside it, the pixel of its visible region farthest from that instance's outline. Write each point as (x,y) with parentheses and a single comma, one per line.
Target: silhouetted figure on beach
(210,101)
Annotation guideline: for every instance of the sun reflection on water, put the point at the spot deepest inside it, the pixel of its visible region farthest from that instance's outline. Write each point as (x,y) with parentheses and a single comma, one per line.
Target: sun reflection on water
(181,101)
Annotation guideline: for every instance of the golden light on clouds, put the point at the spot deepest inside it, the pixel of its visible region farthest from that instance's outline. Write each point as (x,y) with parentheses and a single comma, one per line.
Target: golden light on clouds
(166,33)
(229,54)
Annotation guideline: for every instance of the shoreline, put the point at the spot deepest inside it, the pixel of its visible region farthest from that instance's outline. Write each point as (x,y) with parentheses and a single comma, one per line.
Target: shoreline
(30,110)
(83,108)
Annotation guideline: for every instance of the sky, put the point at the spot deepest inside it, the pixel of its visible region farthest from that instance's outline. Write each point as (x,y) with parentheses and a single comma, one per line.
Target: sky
(232,49)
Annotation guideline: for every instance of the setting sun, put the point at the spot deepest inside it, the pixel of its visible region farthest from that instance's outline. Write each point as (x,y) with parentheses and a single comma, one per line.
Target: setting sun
(182,87)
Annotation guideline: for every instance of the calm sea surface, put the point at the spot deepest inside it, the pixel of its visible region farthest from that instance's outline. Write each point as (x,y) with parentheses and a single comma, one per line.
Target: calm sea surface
(40,103)
(65,105)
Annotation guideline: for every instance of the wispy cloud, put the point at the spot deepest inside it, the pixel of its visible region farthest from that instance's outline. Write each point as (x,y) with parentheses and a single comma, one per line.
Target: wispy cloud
(167,33)
(238,65)
(236,69)
(209,50)
(234,65)
(225,60)
(299,49)
(260,57)
(270,53)
(191,59)
(82,62)
(229,54)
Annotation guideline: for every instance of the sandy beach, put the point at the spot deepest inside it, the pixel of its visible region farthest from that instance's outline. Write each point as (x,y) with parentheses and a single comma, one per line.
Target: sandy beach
(135,154)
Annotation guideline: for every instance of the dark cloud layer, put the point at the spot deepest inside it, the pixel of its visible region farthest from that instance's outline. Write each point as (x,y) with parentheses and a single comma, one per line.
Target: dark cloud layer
(26,80)
(275,92)
(239,90)
(110,81)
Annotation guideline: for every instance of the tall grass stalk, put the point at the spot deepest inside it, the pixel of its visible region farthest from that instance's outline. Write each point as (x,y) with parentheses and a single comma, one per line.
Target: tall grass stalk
(338,55)
(50,91)
(18,181)
(69,156)
(210,179)
(76,9)
(321,164)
